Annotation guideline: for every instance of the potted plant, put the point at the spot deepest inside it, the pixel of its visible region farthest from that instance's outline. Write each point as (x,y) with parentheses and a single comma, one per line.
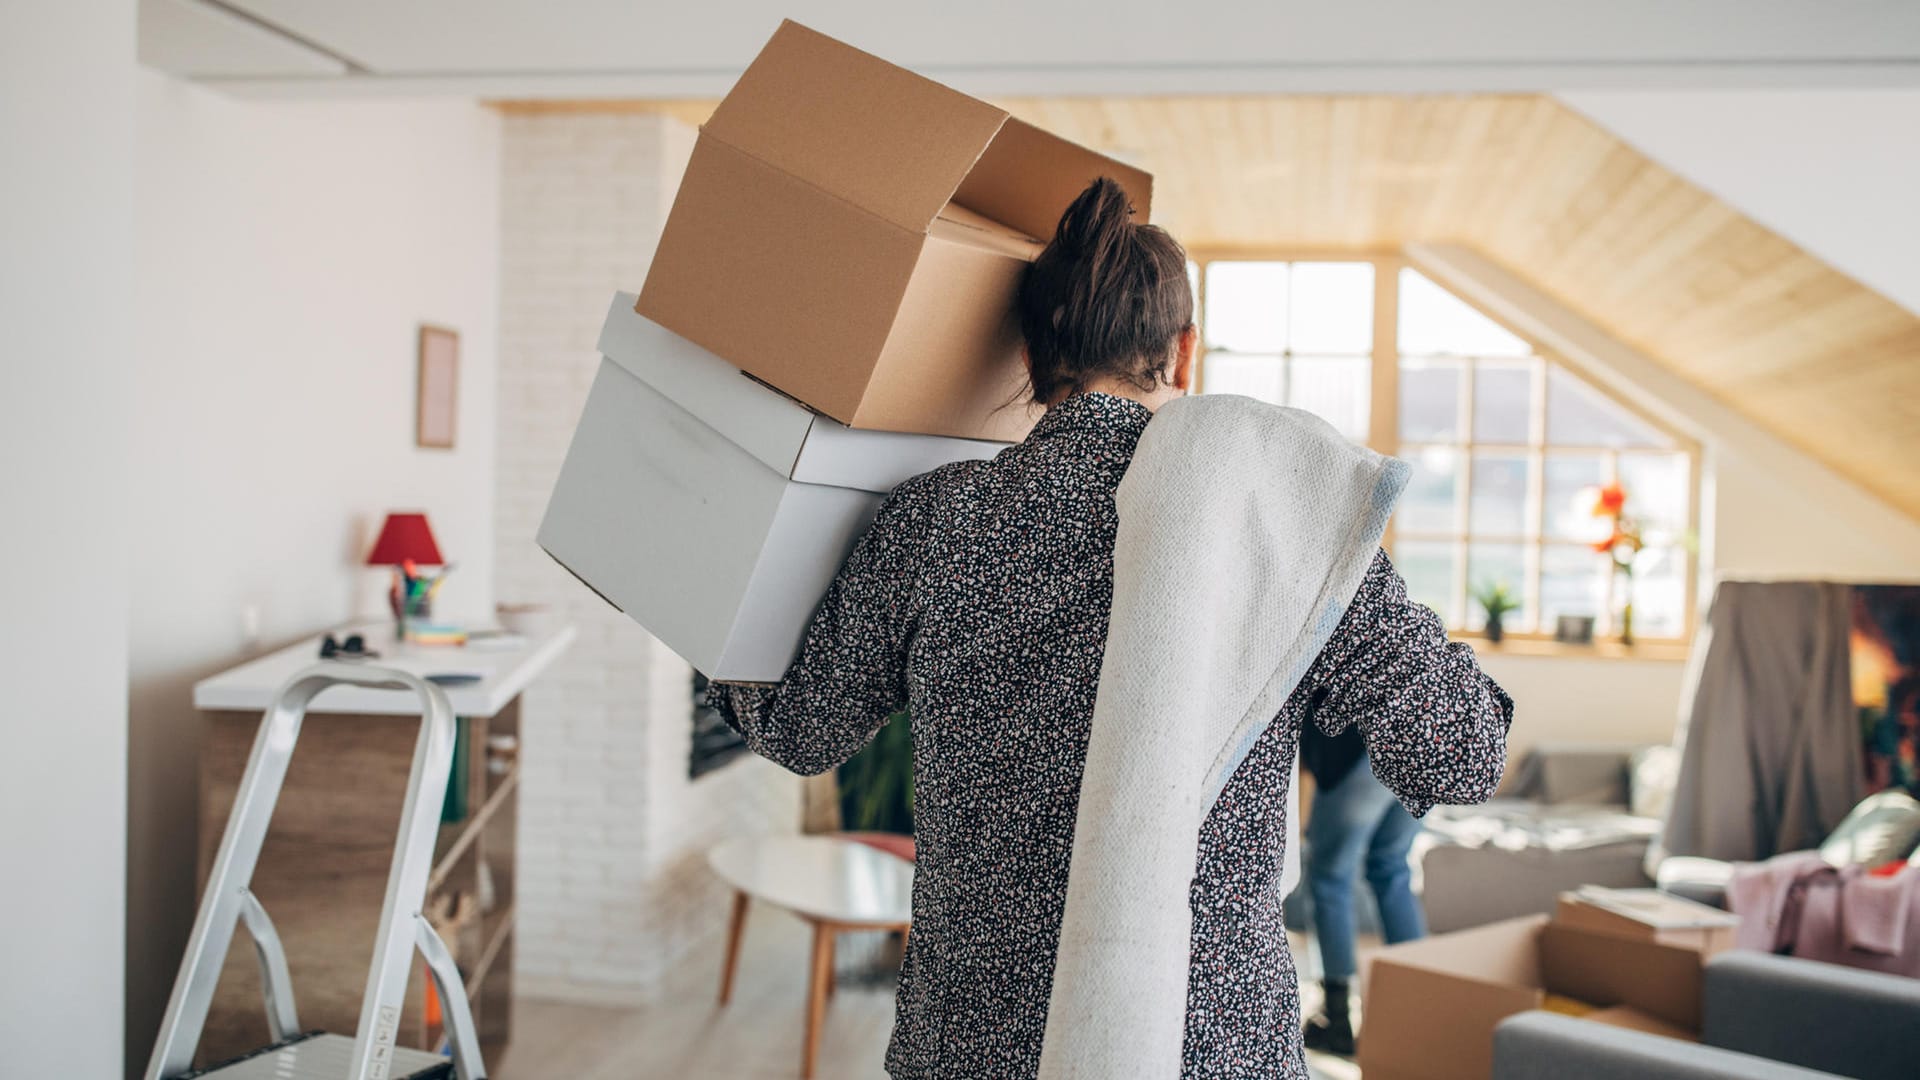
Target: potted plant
(876,785)
(1496,598)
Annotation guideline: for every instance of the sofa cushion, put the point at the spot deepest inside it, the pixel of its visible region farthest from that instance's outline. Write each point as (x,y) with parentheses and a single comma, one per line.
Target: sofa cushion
(1590,773)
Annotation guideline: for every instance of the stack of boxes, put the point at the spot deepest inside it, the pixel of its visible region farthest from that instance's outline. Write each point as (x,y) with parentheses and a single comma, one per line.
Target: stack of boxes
(830,311)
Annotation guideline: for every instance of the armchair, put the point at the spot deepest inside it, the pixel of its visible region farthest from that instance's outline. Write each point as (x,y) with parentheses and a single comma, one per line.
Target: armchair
(1764,1018)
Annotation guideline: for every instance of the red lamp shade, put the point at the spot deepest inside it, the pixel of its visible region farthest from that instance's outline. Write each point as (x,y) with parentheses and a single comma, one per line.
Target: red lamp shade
(404,537)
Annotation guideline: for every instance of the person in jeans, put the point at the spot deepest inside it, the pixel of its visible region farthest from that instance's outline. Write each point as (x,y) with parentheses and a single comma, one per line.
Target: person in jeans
(1356,825)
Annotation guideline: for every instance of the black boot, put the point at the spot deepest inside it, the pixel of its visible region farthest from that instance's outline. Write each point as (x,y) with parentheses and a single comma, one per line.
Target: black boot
(1331,1031)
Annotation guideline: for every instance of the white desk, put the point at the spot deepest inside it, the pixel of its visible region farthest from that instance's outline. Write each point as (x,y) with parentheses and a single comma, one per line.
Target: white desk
(506,672)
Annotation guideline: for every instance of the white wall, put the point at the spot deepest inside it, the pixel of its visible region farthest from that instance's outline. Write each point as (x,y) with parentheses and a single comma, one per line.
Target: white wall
(613,888)
(1577,699)
(66,121)
(1835,171)
(286,255)
(1772,512)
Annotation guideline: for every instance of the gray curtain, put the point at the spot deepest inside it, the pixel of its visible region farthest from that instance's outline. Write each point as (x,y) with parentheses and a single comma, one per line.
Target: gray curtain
(1772,756)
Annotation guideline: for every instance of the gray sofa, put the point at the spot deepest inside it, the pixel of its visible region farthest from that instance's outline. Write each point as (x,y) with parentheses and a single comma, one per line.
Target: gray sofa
(1764,1017)
(1562,820)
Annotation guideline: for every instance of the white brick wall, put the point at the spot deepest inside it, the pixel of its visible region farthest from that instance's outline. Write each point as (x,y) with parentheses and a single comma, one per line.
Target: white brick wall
(612,884)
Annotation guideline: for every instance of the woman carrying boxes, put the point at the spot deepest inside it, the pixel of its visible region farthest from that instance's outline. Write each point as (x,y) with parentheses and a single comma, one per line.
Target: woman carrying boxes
(1059,672)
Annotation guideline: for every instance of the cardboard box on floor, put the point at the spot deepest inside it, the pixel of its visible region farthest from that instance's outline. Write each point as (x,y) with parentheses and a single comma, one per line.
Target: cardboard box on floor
(1431,1005)
(1648,915)
(855,235)
(713,510)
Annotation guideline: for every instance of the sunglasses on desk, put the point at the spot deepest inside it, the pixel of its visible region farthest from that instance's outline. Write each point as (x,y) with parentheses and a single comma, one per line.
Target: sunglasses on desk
(353,648)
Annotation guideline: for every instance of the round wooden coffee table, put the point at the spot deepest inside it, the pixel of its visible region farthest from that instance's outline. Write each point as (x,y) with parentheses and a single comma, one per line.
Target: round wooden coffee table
(832,883)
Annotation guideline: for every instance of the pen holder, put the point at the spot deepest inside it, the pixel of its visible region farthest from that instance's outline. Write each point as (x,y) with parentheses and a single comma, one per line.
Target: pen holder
(409,605)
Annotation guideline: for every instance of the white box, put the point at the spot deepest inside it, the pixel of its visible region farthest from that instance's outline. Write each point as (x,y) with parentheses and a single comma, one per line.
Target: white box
(713,510)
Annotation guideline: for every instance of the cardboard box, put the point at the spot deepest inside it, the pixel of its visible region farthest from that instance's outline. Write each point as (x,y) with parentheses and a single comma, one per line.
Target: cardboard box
(1431,1005)
(713,510)
(1648,915)
(1632,1019)
(855,235)
(1663,981)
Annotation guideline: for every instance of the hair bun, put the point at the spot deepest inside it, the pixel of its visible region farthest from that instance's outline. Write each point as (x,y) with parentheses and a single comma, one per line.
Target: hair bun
(1105,298)
(1099,218)
(1095,229)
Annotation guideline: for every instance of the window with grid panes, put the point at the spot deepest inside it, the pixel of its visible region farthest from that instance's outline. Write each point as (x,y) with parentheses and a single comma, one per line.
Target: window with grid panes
(1506,444)
(1293,333)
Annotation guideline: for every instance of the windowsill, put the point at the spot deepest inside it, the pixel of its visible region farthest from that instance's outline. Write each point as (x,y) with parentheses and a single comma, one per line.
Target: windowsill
(1672,651)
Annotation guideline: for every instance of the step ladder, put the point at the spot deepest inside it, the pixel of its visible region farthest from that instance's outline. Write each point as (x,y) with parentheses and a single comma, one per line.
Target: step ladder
(371,1053)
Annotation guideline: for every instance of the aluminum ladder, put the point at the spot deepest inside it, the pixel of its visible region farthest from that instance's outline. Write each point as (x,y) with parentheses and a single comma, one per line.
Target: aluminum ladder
(371,1053)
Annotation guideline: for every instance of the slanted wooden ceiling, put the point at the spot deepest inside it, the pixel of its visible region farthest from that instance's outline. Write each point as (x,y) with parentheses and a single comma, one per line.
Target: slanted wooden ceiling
(1824,362)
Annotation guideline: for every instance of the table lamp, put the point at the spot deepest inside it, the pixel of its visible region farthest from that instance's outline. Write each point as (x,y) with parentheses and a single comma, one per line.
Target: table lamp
(406,542)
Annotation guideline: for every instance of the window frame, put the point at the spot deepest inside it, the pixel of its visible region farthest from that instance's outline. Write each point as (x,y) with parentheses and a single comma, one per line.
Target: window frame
(1383,435)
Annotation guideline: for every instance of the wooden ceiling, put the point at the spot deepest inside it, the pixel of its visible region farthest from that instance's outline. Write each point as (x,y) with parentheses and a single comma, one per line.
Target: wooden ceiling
(1824,362)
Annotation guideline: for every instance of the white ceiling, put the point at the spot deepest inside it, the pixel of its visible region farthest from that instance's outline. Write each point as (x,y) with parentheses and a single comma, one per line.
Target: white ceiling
(187,37)
(645,48)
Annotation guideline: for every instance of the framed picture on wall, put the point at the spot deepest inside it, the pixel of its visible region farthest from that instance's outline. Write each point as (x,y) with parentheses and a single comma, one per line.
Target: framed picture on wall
(439,404)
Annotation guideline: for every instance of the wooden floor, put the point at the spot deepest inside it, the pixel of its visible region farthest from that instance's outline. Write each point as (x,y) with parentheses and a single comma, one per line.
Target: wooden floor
(757,1037)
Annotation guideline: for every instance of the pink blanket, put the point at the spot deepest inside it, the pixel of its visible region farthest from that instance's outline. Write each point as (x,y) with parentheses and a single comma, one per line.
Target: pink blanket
(1798,904)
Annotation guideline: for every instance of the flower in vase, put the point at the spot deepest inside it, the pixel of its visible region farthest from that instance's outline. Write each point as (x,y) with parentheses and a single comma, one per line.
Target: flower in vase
(1610,501)
(1621,546)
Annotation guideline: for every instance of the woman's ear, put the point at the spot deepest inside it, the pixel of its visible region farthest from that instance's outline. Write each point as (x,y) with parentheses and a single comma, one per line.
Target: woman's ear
(1183,352)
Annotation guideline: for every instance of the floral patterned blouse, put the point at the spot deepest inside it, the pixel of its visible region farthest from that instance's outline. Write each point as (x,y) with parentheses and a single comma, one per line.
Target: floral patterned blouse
(979,602)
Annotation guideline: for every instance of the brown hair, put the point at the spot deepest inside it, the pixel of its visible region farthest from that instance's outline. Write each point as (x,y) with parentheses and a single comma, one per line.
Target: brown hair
(1106,298)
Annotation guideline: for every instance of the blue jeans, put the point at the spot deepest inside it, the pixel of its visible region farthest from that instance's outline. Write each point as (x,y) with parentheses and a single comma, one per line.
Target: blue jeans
(1359,824)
